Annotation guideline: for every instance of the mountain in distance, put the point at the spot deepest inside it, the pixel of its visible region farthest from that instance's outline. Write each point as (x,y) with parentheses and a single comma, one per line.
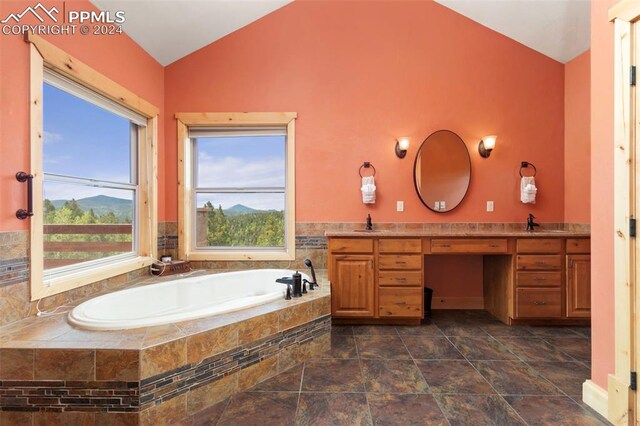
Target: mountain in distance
(239,209)
(102,204)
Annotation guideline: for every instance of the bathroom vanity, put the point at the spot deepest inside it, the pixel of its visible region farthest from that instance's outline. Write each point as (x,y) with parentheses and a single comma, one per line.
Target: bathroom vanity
(541,277)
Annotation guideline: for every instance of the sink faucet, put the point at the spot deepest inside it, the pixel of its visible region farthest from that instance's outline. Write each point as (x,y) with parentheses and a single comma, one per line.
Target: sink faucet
(369,226)
(530,223)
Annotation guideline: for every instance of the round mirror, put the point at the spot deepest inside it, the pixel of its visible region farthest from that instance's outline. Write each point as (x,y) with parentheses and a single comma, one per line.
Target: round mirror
(442,171)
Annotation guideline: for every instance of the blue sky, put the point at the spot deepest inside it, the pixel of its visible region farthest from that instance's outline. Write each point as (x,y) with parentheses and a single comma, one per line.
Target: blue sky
(84,140)
(231,162)
(81,139)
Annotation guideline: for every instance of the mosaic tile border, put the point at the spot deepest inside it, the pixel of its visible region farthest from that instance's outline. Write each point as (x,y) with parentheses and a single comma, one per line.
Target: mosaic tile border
(13,271)
(136,396)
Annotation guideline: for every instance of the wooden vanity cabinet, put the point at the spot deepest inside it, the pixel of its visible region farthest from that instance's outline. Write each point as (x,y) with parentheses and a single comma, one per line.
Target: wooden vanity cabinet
(538,283)
(351,272)
(578,278)
(400,291)
(376,279)
(537,280)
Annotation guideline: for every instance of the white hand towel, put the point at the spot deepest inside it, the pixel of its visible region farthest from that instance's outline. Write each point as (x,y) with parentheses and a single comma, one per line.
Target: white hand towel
(528,190)
(368,190)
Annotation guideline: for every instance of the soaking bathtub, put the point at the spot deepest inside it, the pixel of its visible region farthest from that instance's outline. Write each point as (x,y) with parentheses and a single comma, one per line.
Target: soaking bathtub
(180,300)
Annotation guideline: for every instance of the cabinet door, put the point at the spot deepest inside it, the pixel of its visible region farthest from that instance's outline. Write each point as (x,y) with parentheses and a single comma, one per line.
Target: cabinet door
(578,285)
(352,286)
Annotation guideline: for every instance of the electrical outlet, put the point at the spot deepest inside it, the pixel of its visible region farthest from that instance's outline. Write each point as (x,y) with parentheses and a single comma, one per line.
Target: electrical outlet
(442,205)
(400,206)
(489,206)
(436,207)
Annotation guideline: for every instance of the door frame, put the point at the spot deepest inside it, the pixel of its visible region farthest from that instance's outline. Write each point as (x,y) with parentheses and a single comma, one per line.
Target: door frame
(622,401)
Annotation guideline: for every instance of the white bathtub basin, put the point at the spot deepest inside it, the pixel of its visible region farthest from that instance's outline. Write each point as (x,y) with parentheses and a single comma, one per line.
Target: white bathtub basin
(180,300)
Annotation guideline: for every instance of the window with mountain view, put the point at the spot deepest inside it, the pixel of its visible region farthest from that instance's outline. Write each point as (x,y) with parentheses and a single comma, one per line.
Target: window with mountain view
(90,186)
(239,188)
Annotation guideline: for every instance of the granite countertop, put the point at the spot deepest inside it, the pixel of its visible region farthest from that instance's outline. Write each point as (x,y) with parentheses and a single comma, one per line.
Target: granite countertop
(557,233)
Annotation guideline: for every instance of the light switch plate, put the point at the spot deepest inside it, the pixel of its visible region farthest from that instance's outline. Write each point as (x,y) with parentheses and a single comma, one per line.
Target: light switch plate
(400,206)
(437,206)
(489,206)
(442,205)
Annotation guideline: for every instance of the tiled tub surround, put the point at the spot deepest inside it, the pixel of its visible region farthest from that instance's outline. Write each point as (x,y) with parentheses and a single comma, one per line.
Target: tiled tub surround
(47,366)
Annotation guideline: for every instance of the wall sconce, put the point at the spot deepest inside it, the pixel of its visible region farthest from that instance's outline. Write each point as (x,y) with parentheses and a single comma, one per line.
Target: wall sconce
(486,145)
(402,144)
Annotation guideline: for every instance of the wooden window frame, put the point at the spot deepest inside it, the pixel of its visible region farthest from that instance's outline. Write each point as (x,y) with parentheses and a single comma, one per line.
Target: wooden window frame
(185,184)
(43,54)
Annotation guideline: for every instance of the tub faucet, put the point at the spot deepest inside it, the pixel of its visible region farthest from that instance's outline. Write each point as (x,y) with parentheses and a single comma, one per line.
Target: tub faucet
(530,223)
(312,284)
(369,225)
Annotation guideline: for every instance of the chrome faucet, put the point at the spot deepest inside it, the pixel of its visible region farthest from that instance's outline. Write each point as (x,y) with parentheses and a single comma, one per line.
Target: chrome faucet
(369,225)
(530,223)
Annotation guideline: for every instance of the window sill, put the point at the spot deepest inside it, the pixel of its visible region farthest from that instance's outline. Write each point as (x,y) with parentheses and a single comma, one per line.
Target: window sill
(74,280)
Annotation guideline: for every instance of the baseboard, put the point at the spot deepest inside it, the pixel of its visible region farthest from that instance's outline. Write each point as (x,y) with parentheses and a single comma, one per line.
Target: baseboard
(595,397)
(457,303)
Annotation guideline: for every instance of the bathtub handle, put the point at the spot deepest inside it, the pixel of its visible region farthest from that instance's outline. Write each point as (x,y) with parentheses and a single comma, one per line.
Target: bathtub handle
(288,294)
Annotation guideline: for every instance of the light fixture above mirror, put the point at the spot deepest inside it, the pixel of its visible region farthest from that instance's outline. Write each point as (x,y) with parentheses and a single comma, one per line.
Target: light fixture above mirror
(402,145)
(486,145)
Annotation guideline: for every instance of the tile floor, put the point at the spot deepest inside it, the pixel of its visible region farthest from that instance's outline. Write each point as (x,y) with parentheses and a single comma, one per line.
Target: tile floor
(463,368)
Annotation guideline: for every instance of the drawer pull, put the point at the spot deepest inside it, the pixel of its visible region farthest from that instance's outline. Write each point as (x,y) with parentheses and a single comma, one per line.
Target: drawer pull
(538,302)
(445,245)
(494,245)
(401,262)
(539,263)
(539,279)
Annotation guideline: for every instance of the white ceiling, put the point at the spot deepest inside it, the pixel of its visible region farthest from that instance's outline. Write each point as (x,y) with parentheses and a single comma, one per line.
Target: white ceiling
(559,29)
(171,29)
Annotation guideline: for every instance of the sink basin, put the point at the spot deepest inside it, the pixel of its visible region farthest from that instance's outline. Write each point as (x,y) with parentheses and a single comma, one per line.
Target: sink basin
(366,230)
(553,231)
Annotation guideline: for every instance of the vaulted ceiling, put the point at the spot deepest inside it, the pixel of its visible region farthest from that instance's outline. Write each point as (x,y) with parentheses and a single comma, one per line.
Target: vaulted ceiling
(171,29)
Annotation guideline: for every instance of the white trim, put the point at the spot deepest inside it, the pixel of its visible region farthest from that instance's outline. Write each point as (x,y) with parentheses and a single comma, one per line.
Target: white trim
(595,397)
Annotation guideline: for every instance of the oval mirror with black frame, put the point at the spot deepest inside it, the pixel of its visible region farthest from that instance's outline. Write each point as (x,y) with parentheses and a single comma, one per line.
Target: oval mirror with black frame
(442,171)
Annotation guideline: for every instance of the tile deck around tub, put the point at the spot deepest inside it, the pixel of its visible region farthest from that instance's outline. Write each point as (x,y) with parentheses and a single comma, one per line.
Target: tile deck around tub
(48,366)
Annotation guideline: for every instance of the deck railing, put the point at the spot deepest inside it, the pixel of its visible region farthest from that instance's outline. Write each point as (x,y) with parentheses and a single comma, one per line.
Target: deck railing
(77,251)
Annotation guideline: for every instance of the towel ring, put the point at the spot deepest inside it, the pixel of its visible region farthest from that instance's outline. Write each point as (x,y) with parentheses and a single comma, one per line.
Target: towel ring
(366,165)
(526,164)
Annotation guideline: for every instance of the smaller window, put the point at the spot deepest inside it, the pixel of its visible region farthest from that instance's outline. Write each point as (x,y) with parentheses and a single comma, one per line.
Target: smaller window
(240,201)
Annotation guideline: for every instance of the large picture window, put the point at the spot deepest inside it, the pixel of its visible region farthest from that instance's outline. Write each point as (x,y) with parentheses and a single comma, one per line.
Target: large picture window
(93,167)
(89,162)
(238,192)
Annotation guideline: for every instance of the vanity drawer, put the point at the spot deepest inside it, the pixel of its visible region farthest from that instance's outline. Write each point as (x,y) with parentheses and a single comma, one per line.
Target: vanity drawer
(400,261)
(400,302)
(578,245)
(470,245)
(538,303)
(350,245)
(401,278)
(539,279)
(397,245)
(539,245)
(541,262)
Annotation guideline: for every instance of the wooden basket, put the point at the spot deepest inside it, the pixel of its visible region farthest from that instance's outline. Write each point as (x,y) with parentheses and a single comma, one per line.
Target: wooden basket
(175,267)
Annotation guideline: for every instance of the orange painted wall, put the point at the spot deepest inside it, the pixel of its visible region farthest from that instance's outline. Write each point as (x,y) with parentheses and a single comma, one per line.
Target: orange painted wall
(115,56)
(454,276)
(577,139)
(361,74)
(602,190)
